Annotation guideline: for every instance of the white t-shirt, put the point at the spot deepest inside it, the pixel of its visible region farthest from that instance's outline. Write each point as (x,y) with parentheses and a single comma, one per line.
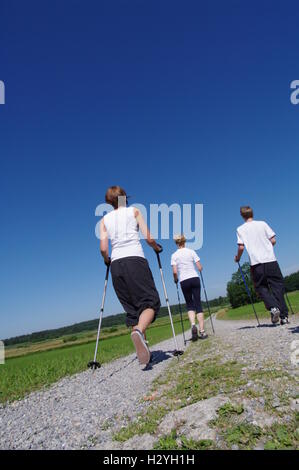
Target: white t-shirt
(255,235)
(184,259)
(123,231)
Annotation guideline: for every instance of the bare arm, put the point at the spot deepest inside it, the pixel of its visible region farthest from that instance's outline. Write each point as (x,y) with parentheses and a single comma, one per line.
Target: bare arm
(104,243)
(175,274)
(145,231)
(240,253)
(199,265)
(273,240)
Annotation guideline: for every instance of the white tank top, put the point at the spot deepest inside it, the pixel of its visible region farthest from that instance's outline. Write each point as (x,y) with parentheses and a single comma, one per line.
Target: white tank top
(123,231)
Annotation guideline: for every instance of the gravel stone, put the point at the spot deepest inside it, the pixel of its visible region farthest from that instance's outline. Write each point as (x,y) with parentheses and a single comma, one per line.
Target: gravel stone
(192,421)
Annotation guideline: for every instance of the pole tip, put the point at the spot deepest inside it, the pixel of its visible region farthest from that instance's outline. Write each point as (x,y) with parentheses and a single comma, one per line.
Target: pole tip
(178,352)
(93,365)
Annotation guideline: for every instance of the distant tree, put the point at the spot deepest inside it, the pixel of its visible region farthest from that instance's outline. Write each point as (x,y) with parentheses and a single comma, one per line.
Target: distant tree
(236,290)
(291,282)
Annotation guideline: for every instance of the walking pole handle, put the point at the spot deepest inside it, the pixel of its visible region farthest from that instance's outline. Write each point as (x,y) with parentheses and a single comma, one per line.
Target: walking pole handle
(107,272)
(159,260)
(158,255)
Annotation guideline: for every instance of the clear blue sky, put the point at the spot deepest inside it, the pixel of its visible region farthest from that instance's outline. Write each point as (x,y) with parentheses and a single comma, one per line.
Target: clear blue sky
(184,102)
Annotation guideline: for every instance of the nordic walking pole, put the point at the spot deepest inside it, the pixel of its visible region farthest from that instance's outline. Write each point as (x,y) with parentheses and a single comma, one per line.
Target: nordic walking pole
(181,314)
(176,352)
(94,364)
(248,292)
(288,300)
(208,304)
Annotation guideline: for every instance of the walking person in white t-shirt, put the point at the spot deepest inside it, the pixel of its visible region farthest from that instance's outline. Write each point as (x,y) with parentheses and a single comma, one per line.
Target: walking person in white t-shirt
(184,262)
(131,276)
(259,239)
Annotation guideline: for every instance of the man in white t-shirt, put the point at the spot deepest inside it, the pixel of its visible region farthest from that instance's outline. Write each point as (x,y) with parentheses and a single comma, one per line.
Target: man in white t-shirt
(259,239)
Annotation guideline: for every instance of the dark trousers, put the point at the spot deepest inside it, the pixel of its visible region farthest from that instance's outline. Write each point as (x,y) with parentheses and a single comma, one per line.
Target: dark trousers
(269,285)
(134,286)
(191,291)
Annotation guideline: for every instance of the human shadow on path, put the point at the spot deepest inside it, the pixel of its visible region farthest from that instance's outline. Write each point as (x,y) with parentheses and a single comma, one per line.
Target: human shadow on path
(157,357)
(294,329)
(262,325)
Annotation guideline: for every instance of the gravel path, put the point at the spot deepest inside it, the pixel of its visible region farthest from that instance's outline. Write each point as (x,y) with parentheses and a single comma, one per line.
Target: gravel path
(84,410)
(260,345)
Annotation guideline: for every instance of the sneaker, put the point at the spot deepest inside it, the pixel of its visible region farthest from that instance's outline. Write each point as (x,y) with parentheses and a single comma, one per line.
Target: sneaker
(142,351)
(284,321)
(275,315)
(203,335)
(194,333)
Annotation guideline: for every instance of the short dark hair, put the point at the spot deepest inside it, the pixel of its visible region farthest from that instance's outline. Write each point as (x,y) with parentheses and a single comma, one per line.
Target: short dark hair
(246,212)
(113,194)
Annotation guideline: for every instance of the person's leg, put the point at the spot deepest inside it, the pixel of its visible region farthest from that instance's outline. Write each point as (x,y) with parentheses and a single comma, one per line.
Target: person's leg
(276,284)
(187,292)
(200,319)
(196,288)
(191,316)
(145,320)
(261,286)
(126,290)
(146,301)
(122,291)
(138,335)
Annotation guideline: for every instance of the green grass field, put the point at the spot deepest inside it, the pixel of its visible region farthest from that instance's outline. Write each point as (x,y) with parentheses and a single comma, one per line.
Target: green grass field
(23,374)
(246,312)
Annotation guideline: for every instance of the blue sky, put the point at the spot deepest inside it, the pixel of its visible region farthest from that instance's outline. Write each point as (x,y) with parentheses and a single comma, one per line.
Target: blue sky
(184,102)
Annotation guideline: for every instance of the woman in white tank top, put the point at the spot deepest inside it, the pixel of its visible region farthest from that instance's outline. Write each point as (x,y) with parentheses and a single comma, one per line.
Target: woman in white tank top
(131,276)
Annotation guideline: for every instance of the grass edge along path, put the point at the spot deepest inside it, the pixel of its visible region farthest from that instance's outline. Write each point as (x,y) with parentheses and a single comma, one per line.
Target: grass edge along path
(246,312)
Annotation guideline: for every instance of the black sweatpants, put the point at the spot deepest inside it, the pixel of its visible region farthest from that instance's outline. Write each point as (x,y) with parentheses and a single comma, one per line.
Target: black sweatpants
(191,291)
(134,286)
(269,285)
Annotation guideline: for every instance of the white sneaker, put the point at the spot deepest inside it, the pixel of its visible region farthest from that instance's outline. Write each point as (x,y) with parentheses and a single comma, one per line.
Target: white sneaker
(275,313)
(141,347)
